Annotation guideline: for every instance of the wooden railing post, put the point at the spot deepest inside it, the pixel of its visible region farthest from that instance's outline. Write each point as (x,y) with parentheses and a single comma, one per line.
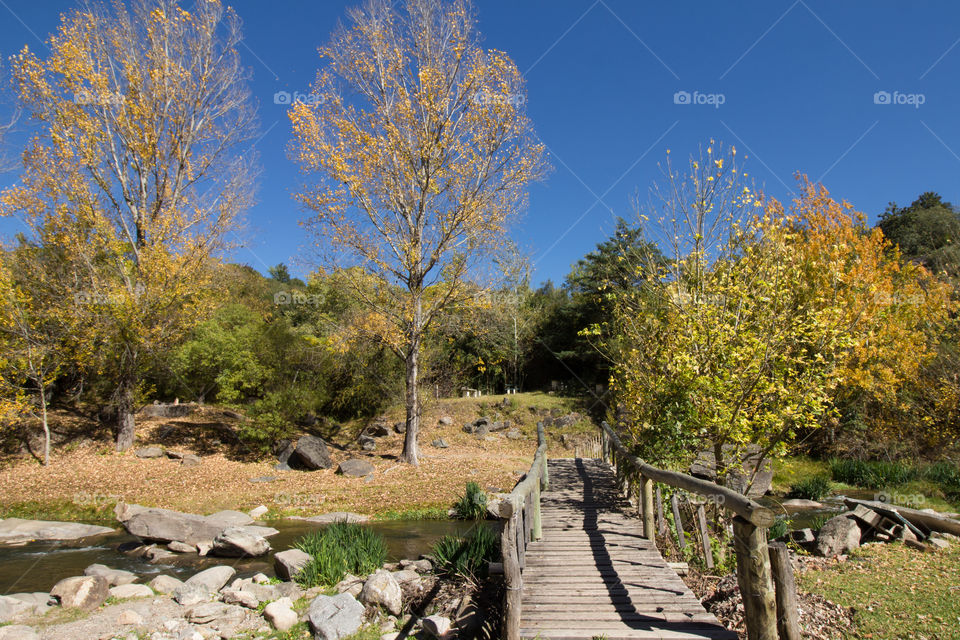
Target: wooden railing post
(677,521)
(511,569)
(537,531)
(649,523)
(788,624)
(755,580)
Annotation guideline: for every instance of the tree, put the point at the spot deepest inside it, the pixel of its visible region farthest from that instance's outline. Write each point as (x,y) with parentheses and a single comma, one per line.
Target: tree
(928,232)
(137,173)
(422,151)
(280,273)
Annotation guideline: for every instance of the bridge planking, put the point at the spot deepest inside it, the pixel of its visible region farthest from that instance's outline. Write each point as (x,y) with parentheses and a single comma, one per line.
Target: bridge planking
(593,574)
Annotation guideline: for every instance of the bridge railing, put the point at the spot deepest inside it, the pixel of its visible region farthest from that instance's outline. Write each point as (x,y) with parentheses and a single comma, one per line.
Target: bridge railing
(520,513)
(750,523)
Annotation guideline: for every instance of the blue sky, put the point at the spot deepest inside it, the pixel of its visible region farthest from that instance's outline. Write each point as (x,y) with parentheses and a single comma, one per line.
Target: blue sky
(798,81)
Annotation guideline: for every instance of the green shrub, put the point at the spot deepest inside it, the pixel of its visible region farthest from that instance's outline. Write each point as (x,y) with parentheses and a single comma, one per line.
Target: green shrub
(473,504)
(467,556)
(779,528)
(875,474)
(339,549)
(813,488)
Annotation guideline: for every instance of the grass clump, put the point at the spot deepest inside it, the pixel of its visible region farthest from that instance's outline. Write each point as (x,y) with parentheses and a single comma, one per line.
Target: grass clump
(468,556)
(472,505)
(813,488)
(873,474)
(339,549)
(778,529)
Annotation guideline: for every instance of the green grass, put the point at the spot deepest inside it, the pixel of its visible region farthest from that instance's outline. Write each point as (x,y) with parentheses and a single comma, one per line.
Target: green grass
(472,505)
(468,556)
(339,549)
(812,488)
(897,592)
(438,512)
(789,471)
(60,510)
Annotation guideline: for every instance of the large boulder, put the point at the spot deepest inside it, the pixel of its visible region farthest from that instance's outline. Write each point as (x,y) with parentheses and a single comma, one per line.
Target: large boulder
(311,453)
(149,452)
(81,592)
(158,410)
(355,468)
(38,601)
(334,516)
(382,589)
(335,617)
(230,518)
(164,525)
(839,535)
(280,614)
(289,563)
(165,585)
(239,542)
(17,530)
(18,632)
(212,579)
(114,577)
(377,430)
(131,591)
(12,609)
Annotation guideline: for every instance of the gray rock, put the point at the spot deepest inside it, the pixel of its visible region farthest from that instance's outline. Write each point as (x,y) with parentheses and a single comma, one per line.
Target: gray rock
(436,626)
(149,452)
(13,609)
(405,576)
(191,594)
(334,516)
(175,455)
(158,410)
(288,563)
(215,614)
(420,566)
(18,632)
(164,525)
(514,434)
(17,530)
(350,584)
(181,547)
(131,591)
(263,479)
(286,453)
(288,590)
(129,617)
(165,584)
(230,518)
(212,579)
(280,614)
(839,535)
(335,617)
(367,443)
(190,460)
(241,598)
(114,577)
(39,601)
(355,468)
(81,592)
(445,421)
(802,536)
(381,589)
(800,503)
(400,427)
(311,453)
(439,443)
(237,542)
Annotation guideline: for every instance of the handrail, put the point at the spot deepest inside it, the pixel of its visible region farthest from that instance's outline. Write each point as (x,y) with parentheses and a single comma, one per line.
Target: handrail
(755,572)
(749,510)
(520,511)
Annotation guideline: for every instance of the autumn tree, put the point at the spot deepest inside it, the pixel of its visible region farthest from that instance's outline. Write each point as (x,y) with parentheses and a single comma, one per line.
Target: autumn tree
(137,172)
(421,151)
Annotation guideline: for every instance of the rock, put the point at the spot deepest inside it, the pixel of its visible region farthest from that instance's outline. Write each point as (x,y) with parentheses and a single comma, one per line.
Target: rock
(514,434)
(367,443)
(17,530)
(129,617)
(439,443)
(164,584)
(149,452)
(445,421)
(230,518)
(240,542)
(238,597)
(156,555)
(263,479)
(377,430)
(261,578)
(158,410)
(208,612)
(802,536)
(18,632)
(131,591)
(287,450)
(567,421)
(382,589)
(114,577)
(839,535)
(405,576)
(203,548)
(13,608)
(288,563)
(938,543)
(799,503)
(493,504)
(312,454)
(420,566)
(175,455)
(37,603)
(334,516)
(355,468)
(437,626)
(350,584)
(335,617)
(164,525)
(190,460)
(181,547)
(400,427)
(212,579)
(280,614)
(191,594)
(705,466)
(82,592)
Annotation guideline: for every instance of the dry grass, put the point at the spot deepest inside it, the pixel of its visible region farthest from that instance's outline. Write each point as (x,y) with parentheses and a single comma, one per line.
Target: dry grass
(92,474)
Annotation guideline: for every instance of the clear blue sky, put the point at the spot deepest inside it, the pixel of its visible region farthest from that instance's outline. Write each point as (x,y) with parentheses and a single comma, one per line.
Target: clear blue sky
(798,81)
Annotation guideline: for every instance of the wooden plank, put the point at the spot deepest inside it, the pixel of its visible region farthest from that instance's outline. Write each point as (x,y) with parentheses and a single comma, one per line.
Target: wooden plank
(705,537)
(788,620)
(678,523)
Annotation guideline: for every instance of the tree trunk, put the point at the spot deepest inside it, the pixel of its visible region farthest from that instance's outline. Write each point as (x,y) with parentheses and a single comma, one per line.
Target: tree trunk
(46,426)
(126,426)
(410,451)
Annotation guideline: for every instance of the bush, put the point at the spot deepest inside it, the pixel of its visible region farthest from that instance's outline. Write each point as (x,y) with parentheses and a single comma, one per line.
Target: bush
(815,488)
(874,474)
(467,557)
(339,549)
(779,528)
(473,504)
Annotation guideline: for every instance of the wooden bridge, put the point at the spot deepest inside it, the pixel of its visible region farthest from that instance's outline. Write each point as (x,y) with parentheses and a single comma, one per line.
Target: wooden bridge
(578,566)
